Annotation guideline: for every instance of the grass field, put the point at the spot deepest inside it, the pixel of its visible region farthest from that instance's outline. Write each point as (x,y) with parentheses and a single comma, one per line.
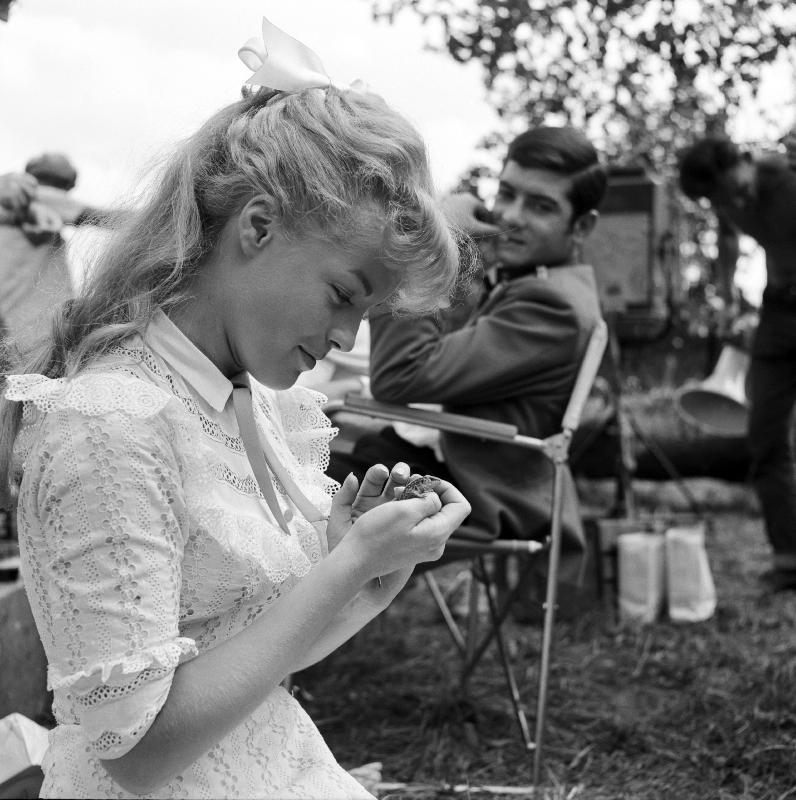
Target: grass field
(665,711)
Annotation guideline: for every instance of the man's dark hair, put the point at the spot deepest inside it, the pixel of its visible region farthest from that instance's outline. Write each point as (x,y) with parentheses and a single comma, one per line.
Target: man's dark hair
(567,151)
(702,164)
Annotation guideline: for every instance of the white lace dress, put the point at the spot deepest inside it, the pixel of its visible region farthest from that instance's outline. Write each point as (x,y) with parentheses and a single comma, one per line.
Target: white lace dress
(145,541)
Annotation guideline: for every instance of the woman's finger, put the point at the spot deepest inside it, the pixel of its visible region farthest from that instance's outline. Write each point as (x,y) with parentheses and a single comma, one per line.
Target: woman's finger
(399,475)
(448,493)
(443,522)
(373,481)
(346,494)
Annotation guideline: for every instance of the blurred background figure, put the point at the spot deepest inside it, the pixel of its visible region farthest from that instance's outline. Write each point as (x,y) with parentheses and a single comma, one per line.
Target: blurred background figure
(16,192)
(53,169)
(5,7)
(35,208)
(756,196)
(34,275)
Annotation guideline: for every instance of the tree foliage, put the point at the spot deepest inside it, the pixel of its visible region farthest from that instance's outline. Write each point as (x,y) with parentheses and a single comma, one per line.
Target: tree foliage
(642,77)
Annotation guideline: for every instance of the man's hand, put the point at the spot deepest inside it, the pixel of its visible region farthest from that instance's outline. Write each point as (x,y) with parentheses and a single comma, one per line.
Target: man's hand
(469,213)
(41,223)
(62,203)
(17,190)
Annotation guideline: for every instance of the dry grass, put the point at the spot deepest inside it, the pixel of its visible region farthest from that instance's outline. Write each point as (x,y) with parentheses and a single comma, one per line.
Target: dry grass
(670,711)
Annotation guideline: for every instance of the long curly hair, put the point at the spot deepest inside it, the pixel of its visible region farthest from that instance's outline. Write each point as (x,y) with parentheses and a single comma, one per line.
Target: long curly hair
(321,155)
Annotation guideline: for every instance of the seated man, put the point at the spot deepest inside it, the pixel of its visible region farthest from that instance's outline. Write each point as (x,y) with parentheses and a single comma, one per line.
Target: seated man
(515,356)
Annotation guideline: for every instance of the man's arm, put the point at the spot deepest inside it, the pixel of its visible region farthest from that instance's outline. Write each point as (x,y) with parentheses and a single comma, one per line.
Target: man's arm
(728,252)
(789,140)
(74,211)
(519,347)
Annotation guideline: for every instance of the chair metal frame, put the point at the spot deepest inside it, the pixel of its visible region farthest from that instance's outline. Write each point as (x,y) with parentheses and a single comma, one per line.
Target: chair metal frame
(556,449)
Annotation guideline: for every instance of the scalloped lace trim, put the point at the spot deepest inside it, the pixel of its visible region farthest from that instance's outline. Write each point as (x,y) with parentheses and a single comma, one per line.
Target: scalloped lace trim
(302,440)
(167,655)
(279,556)
(91,394)
(112,740)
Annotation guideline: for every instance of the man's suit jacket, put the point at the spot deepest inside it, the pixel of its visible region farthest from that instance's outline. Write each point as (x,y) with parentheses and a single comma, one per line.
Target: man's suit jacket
(515,360)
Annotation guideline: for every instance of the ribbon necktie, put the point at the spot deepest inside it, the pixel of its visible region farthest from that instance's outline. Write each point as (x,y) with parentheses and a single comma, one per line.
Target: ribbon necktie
(263,461)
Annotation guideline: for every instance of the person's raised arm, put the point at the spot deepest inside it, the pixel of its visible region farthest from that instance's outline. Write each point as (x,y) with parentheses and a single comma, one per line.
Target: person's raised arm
(17,189)
(728,242)
(504,352)
(74,211)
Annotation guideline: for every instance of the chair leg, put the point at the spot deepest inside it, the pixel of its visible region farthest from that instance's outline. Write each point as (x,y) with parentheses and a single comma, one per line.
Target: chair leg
(549,617)
(519,711)
(472,618)
(439,599)
(472,649)
(503,609)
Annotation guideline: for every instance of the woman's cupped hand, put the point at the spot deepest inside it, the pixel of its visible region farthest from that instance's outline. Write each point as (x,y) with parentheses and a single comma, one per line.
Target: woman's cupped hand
(387,538)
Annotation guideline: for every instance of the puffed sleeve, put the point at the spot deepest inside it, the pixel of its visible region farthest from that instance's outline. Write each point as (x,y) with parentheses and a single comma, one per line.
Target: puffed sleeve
(102,531)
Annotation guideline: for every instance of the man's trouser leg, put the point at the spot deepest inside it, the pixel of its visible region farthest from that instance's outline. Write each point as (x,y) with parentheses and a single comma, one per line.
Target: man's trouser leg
(388,448)
(772,394)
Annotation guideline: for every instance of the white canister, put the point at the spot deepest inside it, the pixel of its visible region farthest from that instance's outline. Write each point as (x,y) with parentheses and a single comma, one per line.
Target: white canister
(641,576)
(690,589)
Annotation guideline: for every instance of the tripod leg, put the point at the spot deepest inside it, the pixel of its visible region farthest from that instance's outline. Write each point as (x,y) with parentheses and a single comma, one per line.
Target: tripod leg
(666,463)
(626,464)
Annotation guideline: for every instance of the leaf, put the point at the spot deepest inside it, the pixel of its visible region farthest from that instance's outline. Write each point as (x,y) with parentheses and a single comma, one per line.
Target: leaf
(619,65)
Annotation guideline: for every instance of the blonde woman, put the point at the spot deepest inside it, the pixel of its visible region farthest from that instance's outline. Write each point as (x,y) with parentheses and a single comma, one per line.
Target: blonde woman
(178,569)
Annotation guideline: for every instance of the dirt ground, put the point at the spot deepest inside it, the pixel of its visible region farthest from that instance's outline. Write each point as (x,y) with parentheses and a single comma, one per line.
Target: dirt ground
(666,711)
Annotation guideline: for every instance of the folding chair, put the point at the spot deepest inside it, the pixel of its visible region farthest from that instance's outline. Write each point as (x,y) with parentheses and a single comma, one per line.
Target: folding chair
(471,643)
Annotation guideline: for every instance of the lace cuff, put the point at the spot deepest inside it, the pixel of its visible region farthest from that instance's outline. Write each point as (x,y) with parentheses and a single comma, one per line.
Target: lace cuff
(166,655)
(117,701)
(115,715)
(92,394)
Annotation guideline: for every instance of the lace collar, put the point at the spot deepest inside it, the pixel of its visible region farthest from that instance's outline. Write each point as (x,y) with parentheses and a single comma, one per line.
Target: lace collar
(171,344)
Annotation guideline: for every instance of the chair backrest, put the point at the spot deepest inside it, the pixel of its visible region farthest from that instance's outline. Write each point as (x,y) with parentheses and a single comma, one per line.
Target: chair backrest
(587,372)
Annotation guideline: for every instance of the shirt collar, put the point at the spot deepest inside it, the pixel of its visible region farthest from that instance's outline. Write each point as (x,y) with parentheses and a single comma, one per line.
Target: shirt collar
(169,342)
(503,274)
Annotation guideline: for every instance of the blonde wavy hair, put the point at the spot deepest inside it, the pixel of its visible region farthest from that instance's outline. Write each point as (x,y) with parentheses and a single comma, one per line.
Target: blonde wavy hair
(321,155)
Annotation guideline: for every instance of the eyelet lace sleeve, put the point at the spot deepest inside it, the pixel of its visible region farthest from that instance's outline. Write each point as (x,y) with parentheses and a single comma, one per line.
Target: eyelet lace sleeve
(102,532)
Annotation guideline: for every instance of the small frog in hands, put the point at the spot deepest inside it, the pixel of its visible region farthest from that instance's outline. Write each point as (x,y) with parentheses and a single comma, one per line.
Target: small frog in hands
(379,487)
(419,486)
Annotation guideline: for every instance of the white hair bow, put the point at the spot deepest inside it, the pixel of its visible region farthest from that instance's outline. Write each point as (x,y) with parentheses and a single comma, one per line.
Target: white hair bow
(281,62)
